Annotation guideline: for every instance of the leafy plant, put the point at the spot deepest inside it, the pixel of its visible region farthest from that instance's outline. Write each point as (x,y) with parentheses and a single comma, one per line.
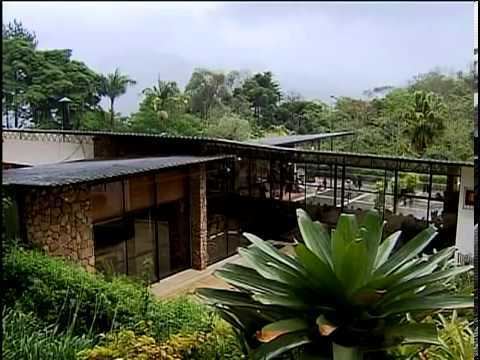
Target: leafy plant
(457,341)
(344,293)
(219,343)
(112,86)
(24,337)
(46,286)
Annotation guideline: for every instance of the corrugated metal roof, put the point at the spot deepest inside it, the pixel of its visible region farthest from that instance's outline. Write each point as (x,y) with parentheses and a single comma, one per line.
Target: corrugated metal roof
(92,170)
(298,139)
(249,149)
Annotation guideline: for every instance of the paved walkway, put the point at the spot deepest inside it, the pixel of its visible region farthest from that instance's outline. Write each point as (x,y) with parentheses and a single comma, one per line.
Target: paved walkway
(185,282)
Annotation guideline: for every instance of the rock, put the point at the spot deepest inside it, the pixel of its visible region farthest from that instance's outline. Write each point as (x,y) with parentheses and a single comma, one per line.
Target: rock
(91,261)
(56,213)
(64,220)
(64,239)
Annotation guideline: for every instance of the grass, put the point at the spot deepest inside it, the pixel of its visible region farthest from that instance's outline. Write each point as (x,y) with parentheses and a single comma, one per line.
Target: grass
(25,337)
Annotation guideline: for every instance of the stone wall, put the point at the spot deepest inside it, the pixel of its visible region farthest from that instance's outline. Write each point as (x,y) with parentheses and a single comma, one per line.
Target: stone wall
(57,219)
(198,217)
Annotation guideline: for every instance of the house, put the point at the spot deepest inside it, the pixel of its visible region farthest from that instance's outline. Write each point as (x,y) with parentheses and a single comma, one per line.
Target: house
(153,204)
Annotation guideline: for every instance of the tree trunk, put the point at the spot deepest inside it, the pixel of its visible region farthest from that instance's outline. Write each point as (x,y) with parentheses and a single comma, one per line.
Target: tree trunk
(112,114)
(346,353)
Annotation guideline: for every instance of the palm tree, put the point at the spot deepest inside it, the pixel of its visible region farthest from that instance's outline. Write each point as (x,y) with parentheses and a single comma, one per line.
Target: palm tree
(425,119)
(112,86)
(344,293)
(163,91)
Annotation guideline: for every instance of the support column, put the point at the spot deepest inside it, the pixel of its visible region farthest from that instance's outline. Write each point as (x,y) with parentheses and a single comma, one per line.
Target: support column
(198,217)
(305,184)
(395,192)
(342,196)
(384,194)
(335,187)
(430,182)
(249,177)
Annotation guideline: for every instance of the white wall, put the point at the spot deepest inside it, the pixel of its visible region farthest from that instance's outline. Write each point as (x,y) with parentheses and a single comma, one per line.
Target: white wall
(465,236)
(32,152)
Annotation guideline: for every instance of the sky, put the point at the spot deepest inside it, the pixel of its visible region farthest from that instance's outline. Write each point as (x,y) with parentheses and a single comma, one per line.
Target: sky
(317,49)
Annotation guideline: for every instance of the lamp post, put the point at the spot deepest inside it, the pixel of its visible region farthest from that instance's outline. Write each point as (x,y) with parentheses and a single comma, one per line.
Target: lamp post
(65,101)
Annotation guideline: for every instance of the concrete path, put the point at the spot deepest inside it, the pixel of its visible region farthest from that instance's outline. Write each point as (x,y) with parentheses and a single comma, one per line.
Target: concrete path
(185,282)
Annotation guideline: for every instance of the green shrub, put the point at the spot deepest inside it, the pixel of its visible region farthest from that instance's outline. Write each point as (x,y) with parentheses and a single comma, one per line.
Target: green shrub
(51,288)
(218,343)
(456,335)
(24,337)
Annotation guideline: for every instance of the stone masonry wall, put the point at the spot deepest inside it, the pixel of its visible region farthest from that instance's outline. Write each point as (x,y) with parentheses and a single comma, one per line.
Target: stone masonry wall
(58,220)
(198,206)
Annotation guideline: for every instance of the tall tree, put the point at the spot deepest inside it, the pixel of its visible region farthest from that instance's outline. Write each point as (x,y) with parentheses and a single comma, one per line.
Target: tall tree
(114,85)
(166,96)
(425,118)
(207,89)
(264,94)
(18,44)
(34,81)
(16,30)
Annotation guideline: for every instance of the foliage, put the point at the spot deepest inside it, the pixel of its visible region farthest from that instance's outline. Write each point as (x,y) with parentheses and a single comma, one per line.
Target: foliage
(457,341)
(303,117)
(208,89)
(219,343)
(229,126)
(16,30)
(348,289)
(112,86)
(34,80)
(431,117)
(24,337)
(52,288)
(170,119)
(263,93)
(95,120)
(425,119)
(409,181)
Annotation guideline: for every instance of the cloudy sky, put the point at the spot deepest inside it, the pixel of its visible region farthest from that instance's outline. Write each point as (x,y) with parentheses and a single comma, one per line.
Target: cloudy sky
(316,49)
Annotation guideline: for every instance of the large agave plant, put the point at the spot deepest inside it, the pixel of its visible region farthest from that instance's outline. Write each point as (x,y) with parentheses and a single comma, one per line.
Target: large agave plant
(347,292)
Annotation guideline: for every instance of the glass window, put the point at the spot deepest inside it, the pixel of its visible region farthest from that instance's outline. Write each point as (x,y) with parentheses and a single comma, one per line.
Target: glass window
(141,247)
(110,246)
(163,234)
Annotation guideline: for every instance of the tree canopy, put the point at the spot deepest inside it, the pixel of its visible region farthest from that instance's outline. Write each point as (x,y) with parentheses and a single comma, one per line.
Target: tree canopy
(430,117)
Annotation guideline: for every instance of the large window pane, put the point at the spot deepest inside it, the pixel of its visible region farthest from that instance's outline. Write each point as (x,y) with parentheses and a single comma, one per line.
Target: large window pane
(173,237)
(164,263)
(110,246)
(141,248)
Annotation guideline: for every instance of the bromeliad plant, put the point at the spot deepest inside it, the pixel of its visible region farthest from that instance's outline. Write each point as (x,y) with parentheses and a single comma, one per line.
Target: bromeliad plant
(348,289)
